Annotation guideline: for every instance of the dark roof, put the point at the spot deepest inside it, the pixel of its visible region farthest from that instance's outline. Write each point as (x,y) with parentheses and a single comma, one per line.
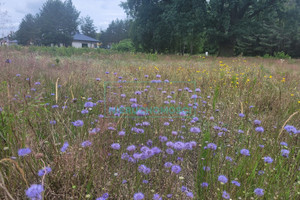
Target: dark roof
(81,37)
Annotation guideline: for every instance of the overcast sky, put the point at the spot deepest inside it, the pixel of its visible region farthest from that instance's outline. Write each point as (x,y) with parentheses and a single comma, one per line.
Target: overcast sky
(101,11)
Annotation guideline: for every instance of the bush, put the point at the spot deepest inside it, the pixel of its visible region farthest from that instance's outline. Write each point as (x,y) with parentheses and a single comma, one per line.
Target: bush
(267,56)
(281,55)
(124,46)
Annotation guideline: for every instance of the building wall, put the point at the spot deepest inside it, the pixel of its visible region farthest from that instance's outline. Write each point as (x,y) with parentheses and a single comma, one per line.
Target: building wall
(77,44)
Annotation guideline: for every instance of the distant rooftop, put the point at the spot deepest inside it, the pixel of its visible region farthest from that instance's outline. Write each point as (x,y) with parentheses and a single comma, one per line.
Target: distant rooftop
(81,37)
(7,40)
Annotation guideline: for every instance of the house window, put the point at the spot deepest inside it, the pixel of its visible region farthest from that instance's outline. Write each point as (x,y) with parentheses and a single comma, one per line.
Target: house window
(84,45)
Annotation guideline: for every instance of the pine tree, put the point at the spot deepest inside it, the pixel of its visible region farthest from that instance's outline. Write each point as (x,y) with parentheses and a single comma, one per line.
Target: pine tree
(87,27)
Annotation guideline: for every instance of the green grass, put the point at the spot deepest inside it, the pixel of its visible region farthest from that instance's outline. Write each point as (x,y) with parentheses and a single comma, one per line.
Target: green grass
(229,86)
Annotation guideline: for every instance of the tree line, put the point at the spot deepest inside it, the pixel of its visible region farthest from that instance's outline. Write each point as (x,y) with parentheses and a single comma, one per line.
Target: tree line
(223,27)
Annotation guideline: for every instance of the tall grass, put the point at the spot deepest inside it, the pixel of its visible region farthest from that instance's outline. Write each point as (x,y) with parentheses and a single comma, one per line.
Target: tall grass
(234,93)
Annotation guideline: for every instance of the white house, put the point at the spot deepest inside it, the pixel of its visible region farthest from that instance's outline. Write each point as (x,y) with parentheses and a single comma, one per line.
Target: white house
(7,42)
(81,41)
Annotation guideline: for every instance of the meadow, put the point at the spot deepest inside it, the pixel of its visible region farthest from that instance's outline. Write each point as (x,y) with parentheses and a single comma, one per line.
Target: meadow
(145,126)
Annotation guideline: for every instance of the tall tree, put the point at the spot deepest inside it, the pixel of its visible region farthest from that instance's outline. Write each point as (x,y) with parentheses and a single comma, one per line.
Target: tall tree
(147,22)
(117,30)
(277,30)
(167,25)
(28,30)
(87,27)
(58,21)
(229,19)
(290,27)
(185,20)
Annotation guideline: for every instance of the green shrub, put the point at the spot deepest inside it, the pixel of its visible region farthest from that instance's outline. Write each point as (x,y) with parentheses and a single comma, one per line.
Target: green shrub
(267,56)
(281,55)
(124,46)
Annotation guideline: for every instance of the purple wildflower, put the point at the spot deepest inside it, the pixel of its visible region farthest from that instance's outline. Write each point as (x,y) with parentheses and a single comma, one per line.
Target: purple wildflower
(168,164)
(144,169)
(259,192)
(283,144)
(84,111)
(44,171)
(64,147)
(204,184)
(228,158)
(179,145)
(268,159)
(170,151)
(34,192)
(94,131)
(140,113)
(138,196)
(195,130)
(166,124)
(183,188)
(206,168)
(285,153)
(156,197)
(190,195)
(86,143)
(78,123)
(211,146)
(194,96)
(260,172)
(257,122)
(245,152)
(225,195)
(176,169)
(259,129)
(145,181)
(290,129)
(89,104)
(236,183)
(24,152)
(115,146)
(149,143)
(121,133)
(223,179)
(131,148)
(182,113)
(163,138)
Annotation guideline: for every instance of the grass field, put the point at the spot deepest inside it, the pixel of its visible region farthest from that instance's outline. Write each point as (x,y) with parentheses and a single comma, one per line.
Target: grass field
(147,126)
